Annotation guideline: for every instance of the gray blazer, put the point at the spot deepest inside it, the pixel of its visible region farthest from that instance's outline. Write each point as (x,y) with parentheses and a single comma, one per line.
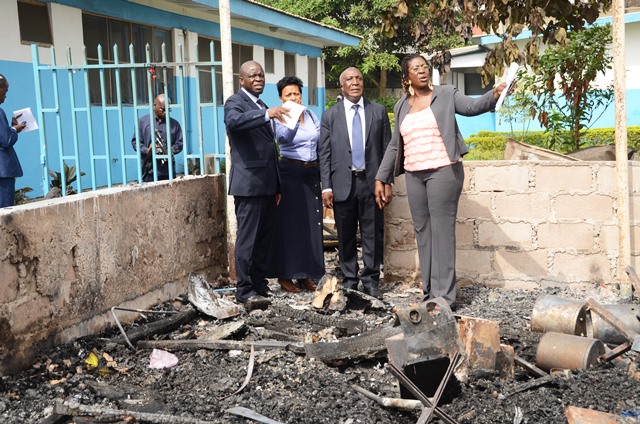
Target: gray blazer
(446,101)
(334,147)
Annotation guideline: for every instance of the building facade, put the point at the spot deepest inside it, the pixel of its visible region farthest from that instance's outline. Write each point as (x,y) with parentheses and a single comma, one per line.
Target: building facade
(178,32)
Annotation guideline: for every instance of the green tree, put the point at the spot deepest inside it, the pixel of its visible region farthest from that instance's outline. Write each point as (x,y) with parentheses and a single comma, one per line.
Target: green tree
(548,22)
(561,93)
(378,51)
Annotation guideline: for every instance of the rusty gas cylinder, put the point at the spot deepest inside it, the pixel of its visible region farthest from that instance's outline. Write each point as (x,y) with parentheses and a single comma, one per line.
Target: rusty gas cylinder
(557,314)
(567,351)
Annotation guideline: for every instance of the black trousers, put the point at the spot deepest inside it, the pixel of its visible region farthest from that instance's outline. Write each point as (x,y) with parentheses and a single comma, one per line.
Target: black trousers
(254,243)
(359,210)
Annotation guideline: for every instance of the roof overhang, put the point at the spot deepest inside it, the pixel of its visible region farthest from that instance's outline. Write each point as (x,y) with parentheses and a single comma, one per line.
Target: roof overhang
(468,57)
(255,17)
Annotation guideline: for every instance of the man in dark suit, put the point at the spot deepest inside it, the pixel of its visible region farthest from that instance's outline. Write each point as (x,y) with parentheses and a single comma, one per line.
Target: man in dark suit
(353,138)
(10,167)
(156,129)
(253,180)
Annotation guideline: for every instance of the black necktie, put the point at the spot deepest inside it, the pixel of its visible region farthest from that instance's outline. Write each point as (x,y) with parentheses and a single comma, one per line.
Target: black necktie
(264,107)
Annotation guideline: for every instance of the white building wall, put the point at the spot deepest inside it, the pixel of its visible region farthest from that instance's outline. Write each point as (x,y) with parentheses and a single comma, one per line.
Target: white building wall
(12,49)
(66,29)
(258,56)
(632,58)
(278,67)
(66,26)
(302,69)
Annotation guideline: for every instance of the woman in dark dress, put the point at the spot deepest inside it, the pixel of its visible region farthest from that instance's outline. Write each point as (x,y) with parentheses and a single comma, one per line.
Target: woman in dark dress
(298,246)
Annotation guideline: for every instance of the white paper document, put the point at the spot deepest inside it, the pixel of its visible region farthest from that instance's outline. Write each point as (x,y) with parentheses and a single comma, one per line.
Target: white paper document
(25,117)
(295,110)
(512,73)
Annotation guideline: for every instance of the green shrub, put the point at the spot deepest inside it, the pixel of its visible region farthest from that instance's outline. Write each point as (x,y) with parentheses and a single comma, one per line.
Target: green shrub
(489,145)
(387,102)
(486,147)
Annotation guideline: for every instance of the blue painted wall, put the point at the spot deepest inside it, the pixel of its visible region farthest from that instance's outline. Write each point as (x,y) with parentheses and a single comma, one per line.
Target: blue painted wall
(23,94)
(472,124)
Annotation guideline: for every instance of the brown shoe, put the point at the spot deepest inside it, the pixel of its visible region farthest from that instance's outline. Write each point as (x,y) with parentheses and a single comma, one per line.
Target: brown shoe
(289,286)
(307,284)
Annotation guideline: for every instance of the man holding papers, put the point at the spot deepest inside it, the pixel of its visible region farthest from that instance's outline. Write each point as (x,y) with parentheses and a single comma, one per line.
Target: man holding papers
(298,251)
(10,167)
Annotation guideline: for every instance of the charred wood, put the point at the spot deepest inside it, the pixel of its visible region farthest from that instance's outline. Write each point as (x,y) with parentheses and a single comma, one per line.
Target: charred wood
(532,384)
(158,327)
(351,326)
(364,346)
(220,345)
(76,409)
(529,367)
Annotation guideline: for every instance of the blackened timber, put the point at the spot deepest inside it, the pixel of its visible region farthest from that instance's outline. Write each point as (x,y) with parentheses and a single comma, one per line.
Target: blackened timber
(366,345)
(173,345)
(158,327)
(75,408)
(532,384)
(532,369)
(56,419)
(352,326)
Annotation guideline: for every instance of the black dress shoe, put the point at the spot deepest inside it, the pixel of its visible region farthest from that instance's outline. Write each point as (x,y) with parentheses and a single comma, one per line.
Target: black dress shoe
(252,298)
(266,292)
(373,292)
(256,302)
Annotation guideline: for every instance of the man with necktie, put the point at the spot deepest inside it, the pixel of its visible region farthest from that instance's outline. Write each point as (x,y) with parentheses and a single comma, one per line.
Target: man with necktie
(354,135)
(253,180)
(10,167)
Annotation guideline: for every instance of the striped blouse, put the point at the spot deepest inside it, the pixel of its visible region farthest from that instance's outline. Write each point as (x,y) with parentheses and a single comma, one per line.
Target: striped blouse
(423,145)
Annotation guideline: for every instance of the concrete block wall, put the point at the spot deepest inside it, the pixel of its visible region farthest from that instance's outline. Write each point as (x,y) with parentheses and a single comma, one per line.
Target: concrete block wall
(525,224)
(65,262)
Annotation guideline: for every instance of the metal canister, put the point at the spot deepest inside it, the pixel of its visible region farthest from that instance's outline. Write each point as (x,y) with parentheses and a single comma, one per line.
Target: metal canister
(557,314)
(568,316)
(627,313)
(567,351)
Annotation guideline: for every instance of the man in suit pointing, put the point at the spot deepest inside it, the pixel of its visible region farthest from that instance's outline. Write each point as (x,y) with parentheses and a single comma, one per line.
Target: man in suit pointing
(353,138)
(253,180)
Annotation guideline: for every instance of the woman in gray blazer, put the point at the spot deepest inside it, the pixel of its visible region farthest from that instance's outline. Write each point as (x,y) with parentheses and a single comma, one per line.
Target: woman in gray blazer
(428,145)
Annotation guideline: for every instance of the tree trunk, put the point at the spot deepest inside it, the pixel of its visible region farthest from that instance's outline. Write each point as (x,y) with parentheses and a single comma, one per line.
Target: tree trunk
(382,86)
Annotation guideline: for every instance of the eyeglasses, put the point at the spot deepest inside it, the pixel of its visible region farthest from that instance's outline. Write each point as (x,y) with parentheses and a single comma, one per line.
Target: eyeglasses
(417,69)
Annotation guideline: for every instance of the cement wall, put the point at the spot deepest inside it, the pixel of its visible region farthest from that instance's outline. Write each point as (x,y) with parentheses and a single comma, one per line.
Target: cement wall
(65,262)
(526,224)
